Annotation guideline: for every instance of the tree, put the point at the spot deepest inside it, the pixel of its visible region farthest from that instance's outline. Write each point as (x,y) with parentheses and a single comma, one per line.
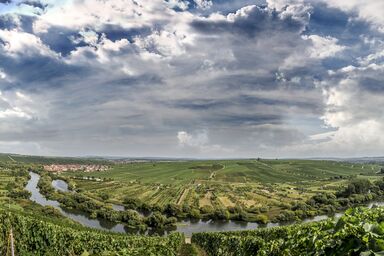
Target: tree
(156,220)
(132,203)
(206,209)
(358,186)
(195,213)
(221,214)
(173,210)
(104,196)
(262,218)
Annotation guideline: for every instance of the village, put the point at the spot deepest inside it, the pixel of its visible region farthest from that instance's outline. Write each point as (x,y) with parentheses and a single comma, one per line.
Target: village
(75,167)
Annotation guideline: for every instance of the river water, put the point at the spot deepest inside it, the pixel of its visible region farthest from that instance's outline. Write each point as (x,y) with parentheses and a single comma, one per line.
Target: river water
(60,185)
(75,215)
(186,226)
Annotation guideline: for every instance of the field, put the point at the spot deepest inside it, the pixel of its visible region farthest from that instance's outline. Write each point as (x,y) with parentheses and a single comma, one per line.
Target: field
(5,178)
(294,189)
(267,184)
(27,159)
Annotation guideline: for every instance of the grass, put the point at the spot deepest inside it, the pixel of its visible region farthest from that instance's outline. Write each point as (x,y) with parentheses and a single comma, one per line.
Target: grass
(5,178)
(157,173)
(224,183)
(264,171)
(26,159)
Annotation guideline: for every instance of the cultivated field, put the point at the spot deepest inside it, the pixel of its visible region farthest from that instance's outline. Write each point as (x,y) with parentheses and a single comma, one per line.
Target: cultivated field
(262,184)
(249,190)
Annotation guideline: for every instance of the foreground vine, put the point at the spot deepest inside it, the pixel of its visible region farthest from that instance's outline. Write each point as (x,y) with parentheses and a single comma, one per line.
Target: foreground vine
(34,236)
(359,232)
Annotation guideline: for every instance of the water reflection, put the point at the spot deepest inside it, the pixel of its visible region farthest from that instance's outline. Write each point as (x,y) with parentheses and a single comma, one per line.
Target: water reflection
(35,193)
(60,185)
(119,208)
(75,215)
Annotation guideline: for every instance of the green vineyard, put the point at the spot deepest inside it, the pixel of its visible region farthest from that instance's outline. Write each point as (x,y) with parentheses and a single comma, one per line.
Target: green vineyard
(42,230)
(359,232)
(34,236)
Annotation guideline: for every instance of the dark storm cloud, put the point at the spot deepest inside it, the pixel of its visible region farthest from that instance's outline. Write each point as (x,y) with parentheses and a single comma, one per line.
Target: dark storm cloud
(22,22)
(337,63)
(235,82)
(116,32)
(60,40)
(242,101)
(246,119)
(36,4)
(327,21)
(252,100)
(372,83)
(44,70)
(146,79)
(198,104)
(63,40)
(256,21)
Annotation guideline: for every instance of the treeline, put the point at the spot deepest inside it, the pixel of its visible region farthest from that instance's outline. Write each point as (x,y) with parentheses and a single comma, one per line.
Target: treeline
(131,218)
(206,212)
(357,192)
(16,188)
(359,232)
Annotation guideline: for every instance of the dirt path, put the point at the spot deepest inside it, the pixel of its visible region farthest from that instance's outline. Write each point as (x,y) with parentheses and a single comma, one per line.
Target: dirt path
(189,249)
(183,195)
(213,174)
(265,165)
(11,158)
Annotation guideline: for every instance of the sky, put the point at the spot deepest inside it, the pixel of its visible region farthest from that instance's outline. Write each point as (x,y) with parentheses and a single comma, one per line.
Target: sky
(192,78)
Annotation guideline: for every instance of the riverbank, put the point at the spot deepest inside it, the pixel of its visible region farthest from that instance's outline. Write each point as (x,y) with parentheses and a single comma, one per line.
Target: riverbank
(187,227)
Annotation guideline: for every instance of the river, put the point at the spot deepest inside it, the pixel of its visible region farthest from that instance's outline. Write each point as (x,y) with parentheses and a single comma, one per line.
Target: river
(186,226)
(60,185)
(75,215)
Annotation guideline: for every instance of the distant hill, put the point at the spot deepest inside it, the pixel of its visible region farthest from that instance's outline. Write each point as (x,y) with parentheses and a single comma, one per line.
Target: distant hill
(374,159)
(50,159)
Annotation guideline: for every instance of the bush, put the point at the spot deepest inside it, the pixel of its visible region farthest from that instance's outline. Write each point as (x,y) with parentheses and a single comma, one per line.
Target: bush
(207,209)
(195,213)
(261,218)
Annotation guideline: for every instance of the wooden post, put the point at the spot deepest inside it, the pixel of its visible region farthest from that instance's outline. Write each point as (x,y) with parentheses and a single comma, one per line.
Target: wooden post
(12,244)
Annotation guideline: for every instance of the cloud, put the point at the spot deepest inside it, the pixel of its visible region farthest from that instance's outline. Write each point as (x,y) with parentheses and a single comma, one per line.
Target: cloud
(369,10)
(198,143)
(323,47)
(204,4)
(198,139)
(253,20)
(2,75)
(15,43)
(352,110)
(228,78)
